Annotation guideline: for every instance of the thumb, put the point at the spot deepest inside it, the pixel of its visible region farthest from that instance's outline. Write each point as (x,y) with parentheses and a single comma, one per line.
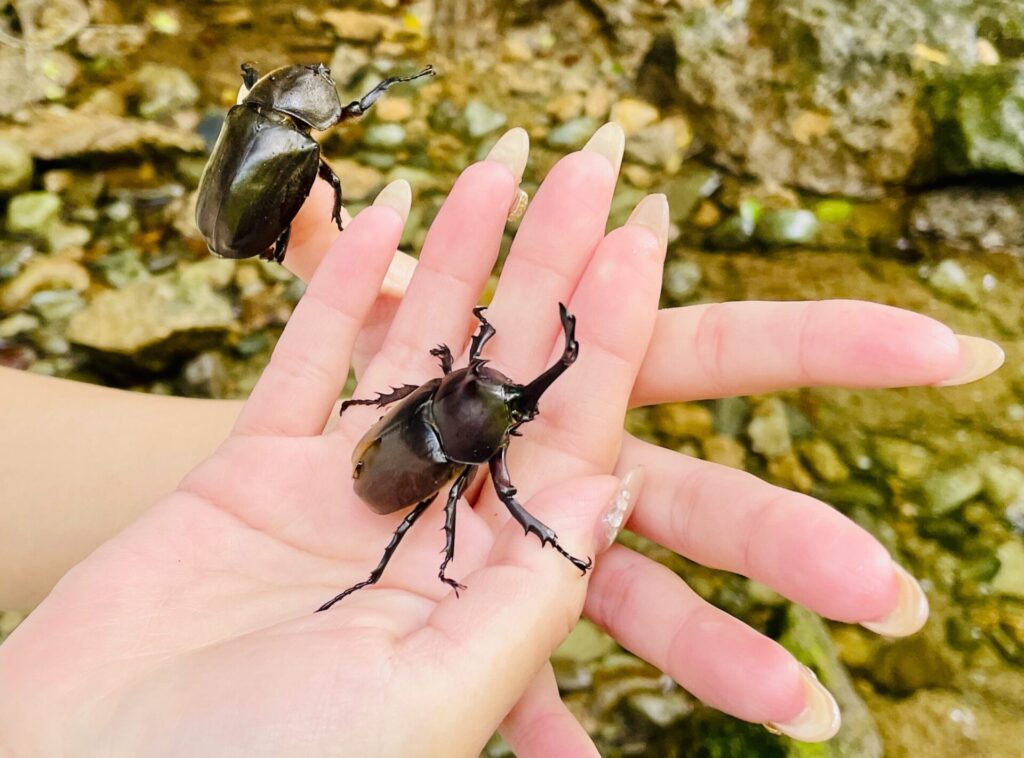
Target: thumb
(519,607)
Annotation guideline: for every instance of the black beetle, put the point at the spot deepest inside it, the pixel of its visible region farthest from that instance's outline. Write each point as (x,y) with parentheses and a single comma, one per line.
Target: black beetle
(265,161)
(440,433)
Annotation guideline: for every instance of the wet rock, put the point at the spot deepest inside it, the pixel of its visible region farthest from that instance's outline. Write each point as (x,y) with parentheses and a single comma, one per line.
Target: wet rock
(967,219)
(946,491)
(769,429)
(13,256)
(913,663)
(481,119)
(15,167)
(662,710)
(905,459)
(56,304)
(737,230)
(164,90)
(572,134)
(633,115)
(359,26)
(824,460)
(682,420)
(1003,484)
(951,281)
(809,641)
(1009,579)
(663,145)
(682,278)
(725,450)
(112,41)
(33,213)
(685,191)
(787,471)
(787,226)
(57,133)
(153,322)
(40,274)
(122,268)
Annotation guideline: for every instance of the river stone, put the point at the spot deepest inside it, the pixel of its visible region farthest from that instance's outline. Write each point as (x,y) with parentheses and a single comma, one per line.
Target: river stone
(968,219)
(769,429)
(844,98)
(481,119)
(153,322)
(1003,484)
(948,490)
(33,213)
(15,167)
(1009,580)
(164,90)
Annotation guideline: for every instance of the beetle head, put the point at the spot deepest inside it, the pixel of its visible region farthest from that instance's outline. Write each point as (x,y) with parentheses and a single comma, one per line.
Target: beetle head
(306,93)
(472,413)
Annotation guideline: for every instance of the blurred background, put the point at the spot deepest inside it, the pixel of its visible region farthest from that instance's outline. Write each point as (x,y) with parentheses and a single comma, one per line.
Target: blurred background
(809,149)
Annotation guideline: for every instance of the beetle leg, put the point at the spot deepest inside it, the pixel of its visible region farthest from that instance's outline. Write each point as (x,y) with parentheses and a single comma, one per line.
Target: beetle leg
(360,106)
(526,403)
(375,575)
(445,354)
(276,253)
(327,174)
(458,487)
(507,495)
(383,398)
(483,334)
(250,75)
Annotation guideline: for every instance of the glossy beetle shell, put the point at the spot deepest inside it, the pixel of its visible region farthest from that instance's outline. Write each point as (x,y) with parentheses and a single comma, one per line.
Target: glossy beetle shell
(259,174)
(304,92)
(471,413)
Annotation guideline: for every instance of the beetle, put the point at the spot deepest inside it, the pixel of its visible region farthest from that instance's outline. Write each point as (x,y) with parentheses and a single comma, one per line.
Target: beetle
(441,432)
(264,162)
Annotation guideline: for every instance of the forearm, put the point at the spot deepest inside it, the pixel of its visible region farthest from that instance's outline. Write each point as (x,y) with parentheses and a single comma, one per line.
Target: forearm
(78,462)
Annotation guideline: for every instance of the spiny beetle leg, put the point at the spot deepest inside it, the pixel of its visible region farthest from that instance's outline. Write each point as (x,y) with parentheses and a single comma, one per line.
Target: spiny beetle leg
(507,495)
(445,354)
(360,106)
(327,174)
(389,551)
(383,398)
(458,487)
(484,333)
(250,75)
(281,246)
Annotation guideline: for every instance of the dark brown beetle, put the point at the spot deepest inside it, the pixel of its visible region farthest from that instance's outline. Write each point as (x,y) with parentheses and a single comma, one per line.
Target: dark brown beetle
(440,433)
(265,161)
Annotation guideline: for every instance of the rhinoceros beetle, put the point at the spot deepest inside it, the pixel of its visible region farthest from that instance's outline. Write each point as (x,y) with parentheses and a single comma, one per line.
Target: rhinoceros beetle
(440,433)
(265,161)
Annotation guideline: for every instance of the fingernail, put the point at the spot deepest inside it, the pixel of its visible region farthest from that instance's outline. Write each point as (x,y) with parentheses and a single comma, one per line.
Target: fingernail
(820,718)
(911,609)
(978,357)
(652,212)
(609,141)
(397,196)
(512,150)
(396,280)
(518,209)
(621,506)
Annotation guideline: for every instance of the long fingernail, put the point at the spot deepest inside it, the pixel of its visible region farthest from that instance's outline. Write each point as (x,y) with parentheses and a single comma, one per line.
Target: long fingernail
(609,141)
(820,718)
(978,357)
(518,209)
(911,609)
(652,212)
(512,150)
(397,196)
(621,506)
(396,280)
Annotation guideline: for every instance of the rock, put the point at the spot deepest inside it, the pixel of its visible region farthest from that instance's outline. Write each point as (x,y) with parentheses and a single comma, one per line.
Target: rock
(358,182)
(737,230)
(662,710)
(787,226)
(685,191)
(769,429)
(57,133)
(153,322)
(481,119)
(946,491)
(33,213)
(662,145)
(43,273)
(725,450)
(385,136)
(17,324)
(968,219)
(905,459)
(731,415)
(787,471)
(824,460)
(585,643)
(393,109)
(807,638)
(56,304)
(682,420)
(112,41)
(951,281)
(15,167)
(164,21)
(913,663)
(122,268)
(13,256)
(61,236)
(1009,579)
(566,106)
(572,134)
(707,215)
(1004,484)
(358,26)
(878,94)
(346,64)
(633,115)
(164,90)
(681,281)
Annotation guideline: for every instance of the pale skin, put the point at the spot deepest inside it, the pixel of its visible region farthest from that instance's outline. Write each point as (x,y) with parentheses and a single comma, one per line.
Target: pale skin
(231,563)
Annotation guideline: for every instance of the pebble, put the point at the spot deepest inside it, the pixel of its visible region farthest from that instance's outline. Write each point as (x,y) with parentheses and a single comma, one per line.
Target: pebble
(769,429)
(33,213)
(948,490)
(725,450)
(682,280)
(15,167)
(358,26)
(163,90)
(385,136)
(633,115)
(392,109)
(905,459)
(681,420)
(1009,580)
(1003,484)
(43,272)
(481,119)
(824,460)
(951,281)
(787,226)
(573,134)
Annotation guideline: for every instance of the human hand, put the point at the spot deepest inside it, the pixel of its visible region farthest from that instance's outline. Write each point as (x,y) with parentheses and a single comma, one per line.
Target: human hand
(714,515)
(192,632)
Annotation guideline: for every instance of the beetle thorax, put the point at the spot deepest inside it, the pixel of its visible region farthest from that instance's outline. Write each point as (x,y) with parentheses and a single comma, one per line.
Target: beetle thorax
(472,414)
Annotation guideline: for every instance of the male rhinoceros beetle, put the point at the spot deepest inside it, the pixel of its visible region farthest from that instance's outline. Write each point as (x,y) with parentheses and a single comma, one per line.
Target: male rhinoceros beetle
(265,161)
(441,432)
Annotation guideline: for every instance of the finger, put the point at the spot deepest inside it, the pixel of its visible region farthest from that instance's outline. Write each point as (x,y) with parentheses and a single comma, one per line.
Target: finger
(725,663)
(844,343)
(457,257)
(556,239)
(540,724)
(310,363)
(809,552)
(516,610)
(313,231)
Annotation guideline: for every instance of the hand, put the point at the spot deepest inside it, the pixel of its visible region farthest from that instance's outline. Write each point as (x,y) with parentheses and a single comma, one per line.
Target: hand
(192,631)
(711,514)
